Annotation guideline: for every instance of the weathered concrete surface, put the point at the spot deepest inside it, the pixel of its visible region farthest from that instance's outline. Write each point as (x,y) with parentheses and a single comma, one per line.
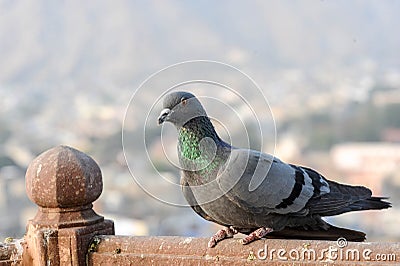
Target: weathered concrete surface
(63,177)
(125,250)
(11,252)
(63,182)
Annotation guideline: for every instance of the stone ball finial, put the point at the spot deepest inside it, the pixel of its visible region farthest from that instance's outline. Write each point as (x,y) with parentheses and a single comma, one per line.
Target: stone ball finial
(63,177)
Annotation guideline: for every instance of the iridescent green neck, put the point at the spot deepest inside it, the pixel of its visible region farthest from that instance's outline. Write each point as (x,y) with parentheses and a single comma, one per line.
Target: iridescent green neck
(189,144)
(198,143)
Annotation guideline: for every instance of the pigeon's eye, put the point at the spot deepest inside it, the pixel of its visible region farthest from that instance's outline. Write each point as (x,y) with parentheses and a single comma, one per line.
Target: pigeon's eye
(184,101)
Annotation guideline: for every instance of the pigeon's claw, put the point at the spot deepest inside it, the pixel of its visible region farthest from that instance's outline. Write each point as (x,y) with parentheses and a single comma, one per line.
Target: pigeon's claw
(226,232)
(257,234)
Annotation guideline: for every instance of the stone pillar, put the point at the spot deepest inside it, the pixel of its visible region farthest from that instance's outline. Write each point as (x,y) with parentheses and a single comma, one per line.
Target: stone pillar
(63,182)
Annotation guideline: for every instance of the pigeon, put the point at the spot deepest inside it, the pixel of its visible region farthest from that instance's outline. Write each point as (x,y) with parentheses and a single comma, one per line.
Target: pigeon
(254,193)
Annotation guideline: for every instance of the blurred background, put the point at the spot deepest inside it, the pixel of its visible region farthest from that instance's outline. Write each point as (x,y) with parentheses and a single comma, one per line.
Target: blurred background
(330,70)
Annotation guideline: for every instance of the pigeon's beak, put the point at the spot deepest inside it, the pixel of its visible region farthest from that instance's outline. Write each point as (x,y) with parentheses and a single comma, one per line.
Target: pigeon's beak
(163,115)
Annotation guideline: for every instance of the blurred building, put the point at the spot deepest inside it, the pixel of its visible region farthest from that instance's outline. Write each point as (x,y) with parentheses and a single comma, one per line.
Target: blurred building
(367,163)
(374,165)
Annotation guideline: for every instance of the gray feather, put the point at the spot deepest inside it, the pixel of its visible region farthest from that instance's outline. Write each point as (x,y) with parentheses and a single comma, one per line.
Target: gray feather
(278,180)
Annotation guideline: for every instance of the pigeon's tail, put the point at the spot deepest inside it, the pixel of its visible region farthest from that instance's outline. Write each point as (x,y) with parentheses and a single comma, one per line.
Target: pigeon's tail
(345,198)
(333,233)
(372,203)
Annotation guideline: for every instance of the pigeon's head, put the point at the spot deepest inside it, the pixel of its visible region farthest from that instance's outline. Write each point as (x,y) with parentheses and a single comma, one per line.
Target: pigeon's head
(180,107)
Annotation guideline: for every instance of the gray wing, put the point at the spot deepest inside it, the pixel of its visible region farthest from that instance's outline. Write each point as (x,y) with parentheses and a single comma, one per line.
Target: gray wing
(260,183)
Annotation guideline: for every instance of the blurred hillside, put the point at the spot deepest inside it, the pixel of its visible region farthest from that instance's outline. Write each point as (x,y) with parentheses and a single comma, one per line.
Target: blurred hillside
(330,71)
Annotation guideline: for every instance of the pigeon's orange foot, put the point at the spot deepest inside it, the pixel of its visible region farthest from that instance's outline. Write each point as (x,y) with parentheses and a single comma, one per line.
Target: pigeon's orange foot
(257,234)
(226,232)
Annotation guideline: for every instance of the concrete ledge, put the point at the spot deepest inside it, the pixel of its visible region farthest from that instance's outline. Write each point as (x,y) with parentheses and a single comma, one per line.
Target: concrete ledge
(11,252)
(128,250)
